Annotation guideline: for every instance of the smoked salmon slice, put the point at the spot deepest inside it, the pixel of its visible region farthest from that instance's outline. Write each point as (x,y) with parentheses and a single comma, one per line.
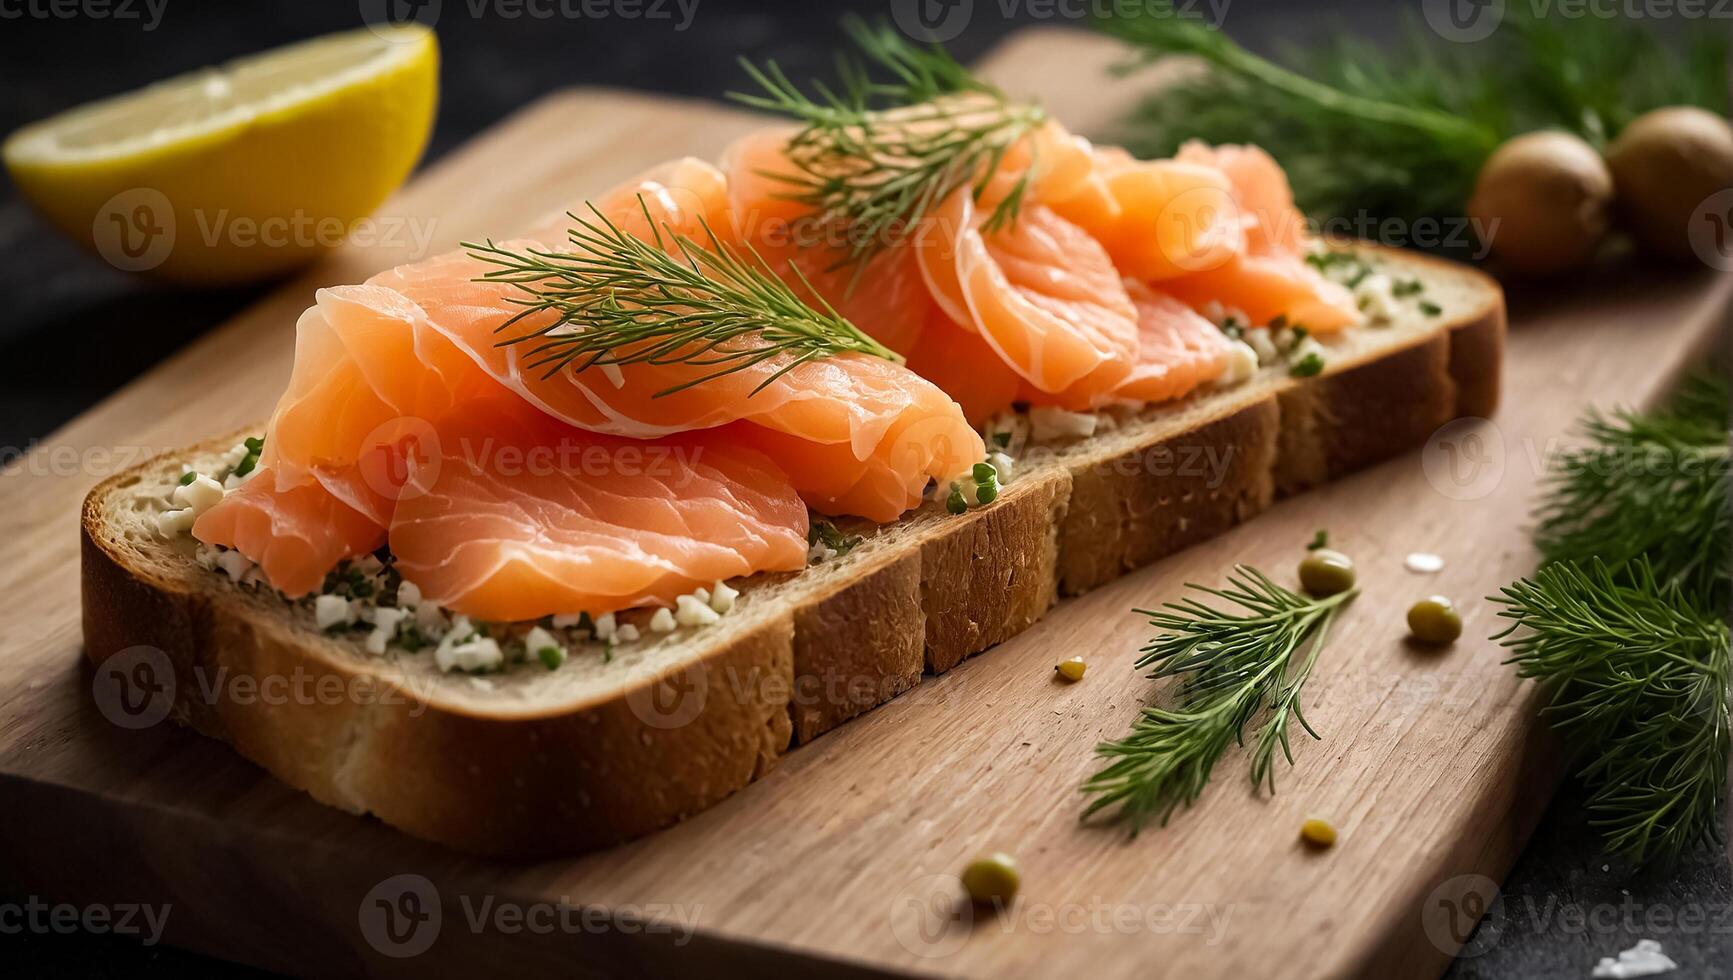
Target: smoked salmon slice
(296,535)
(958,360)
(1158,219)
(1270,278)
(389,432)
(1179,349)
(519,516)
(1042,293)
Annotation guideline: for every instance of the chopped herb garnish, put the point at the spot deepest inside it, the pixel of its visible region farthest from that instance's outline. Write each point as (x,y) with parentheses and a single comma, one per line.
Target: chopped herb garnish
(551,657)
(1319,540)
(1002,439)
(1409,287)
(1308,366)
(188,477)
(955,503)
(986,493)
(984,473)
(1430,308)
(835,540)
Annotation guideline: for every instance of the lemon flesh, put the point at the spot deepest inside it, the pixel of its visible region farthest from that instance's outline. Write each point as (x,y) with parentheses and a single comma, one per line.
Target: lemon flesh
(242,171)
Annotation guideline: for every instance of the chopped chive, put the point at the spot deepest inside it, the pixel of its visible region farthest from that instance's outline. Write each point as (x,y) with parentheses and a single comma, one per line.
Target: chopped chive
(983,472)
(188,477)
(1307,366)
(254,444)
(1319,540)
(1430,308)
(986,493)
(1002,439)
(551,657)
(955,502)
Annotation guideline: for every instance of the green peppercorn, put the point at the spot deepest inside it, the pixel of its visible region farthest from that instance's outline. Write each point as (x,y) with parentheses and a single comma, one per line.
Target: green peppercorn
(1435,620)
(991,879)
(1326,572)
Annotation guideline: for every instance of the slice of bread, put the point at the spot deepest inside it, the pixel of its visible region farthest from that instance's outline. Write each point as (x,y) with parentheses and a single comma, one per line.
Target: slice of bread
(534,761)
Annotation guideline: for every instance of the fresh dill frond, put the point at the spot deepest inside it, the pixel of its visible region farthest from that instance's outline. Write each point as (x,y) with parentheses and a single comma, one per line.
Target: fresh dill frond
(618,299)
(879,154)
(1237,666)
(1639,677)
(1649,485)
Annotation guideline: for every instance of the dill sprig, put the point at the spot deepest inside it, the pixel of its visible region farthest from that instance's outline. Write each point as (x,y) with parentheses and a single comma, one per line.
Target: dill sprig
(1639,677)
(876,155)
(1236,666)
(619,299)
(1400,130)
(1650,485)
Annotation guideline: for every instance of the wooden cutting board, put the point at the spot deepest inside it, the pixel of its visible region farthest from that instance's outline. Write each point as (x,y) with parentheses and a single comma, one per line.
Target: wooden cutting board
(1432,765)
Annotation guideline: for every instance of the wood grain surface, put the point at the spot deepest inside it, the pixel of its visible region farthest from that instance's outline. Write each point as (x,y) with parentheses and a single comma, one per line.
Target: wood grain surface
(1432,765)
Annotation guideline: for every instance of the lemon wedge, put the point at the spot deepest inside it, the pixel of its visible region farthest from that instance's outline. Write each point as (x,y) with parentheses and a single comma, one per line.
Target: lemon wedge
(241,171)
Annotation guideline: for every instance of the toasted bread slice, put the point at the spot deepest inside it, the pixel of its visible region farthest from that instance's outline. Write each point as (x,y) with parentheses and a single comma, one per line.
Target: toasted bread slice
(537,762)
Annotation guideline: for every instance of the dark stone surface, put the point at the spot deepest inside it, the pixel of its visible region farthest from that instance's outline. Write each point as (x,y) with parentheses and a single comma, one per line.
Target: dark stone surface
(72,330)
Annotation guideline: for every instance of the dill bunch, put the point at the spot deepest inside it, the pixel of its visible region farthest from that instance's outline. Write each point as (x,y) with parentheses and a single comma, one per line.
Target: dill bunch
(1237,667)
(1400,131)
(1639,676)
(1626,622)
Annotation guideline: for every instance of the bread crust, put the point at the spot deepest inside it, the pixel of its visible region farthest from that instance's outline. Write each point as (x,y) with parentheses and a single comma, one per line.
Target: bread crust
(918,597)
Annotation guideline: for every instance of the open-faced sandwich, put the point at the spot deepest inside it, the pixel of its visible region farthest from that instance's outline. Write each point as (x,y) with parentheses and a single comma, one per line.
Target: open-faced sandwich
(619,509)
